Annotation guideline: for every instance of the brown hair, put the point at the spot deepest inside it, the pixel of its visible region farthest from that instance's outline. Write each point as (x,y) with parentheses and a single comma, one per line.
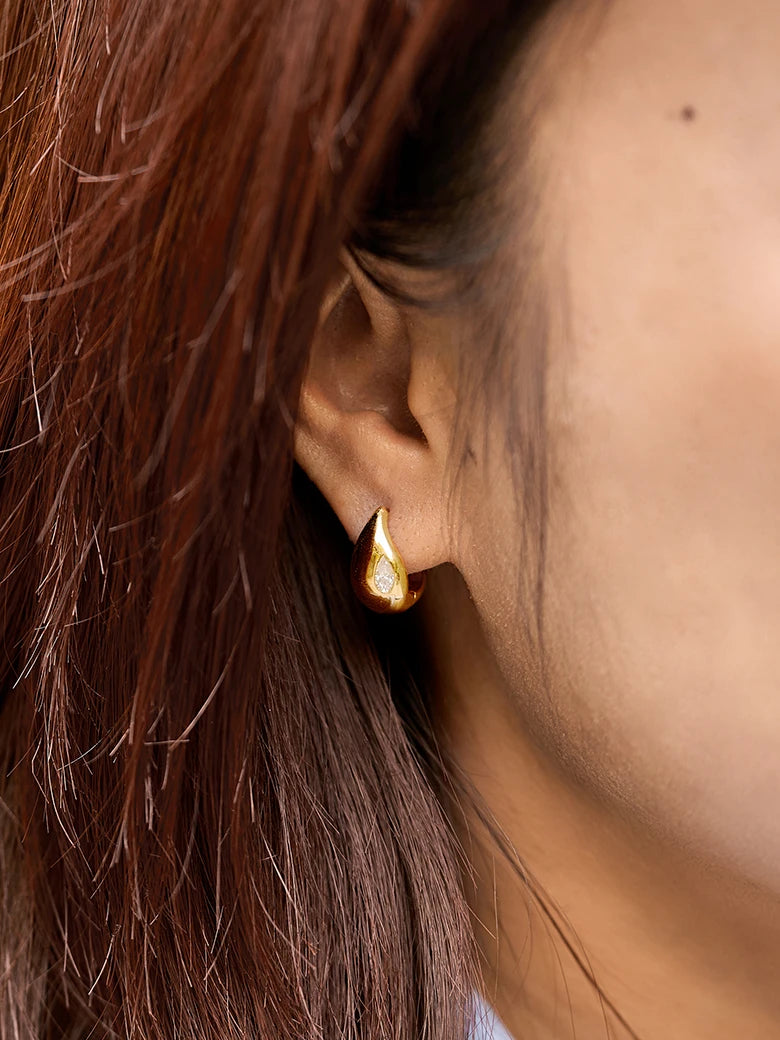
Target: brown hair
(219,816)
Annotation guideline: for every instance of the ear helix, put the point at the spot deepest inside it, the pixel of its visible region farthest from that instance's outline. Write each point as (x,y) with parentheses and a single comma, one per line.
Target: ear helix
(379,578)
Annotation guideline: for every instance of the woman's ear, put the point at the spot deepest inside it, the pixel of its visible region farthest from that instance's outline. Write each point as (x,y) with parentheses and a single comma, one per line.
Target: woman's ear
(375,414)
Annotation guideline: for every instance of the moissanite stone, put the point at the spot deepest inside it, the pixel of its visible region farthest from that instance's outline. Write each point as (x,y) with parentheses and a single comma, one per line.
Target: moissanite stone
(384,575)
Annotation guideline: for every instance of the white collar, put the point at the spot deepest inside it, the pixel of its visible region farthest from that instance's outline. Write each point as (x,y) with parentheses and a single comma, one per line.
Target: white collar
(487,1024)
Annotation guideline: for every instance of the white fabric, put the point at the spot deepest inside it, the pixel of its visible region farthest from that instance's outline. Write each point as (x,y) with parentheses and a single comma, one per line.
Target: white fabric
(487,1025)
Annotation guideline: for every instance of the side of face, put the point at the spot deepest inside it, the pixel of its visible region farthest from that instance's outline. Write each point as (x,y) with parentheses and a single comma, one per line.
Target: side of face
(659,145)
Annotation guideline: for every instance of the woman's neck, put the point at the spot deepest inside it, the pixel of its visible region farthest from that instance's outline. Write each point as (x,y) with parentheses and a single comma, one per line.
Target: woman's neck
(679,950)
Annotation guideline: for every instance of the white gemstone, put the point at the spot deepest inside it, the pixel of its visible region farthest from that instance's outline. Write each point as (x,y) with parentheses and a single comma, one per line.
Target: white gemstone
(384,575)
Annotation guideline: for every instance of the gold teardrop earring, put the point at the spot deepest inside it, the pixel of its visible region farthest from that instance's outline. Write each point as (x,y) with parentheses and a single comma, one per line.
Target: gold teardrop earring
(379,578)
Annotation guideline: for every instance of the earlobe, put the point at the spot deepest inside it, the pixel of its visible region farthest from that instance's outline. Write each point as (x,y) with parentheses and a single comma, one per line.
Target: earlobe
(359,460)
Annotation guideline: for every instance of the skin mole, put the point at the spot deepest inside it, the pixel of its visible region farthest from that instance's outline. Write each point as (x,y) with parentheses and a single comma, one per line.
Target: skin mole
(688,113)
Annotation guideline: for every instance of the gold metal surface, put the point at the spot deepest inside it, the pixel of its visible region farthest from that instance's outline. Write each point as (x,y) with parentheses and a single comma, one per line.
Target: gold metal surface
(384,587)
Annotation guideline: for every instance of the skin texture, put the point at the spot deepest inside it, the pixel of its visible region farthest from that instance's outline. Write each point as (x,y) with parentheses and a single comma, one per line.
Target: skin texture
(639,783)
